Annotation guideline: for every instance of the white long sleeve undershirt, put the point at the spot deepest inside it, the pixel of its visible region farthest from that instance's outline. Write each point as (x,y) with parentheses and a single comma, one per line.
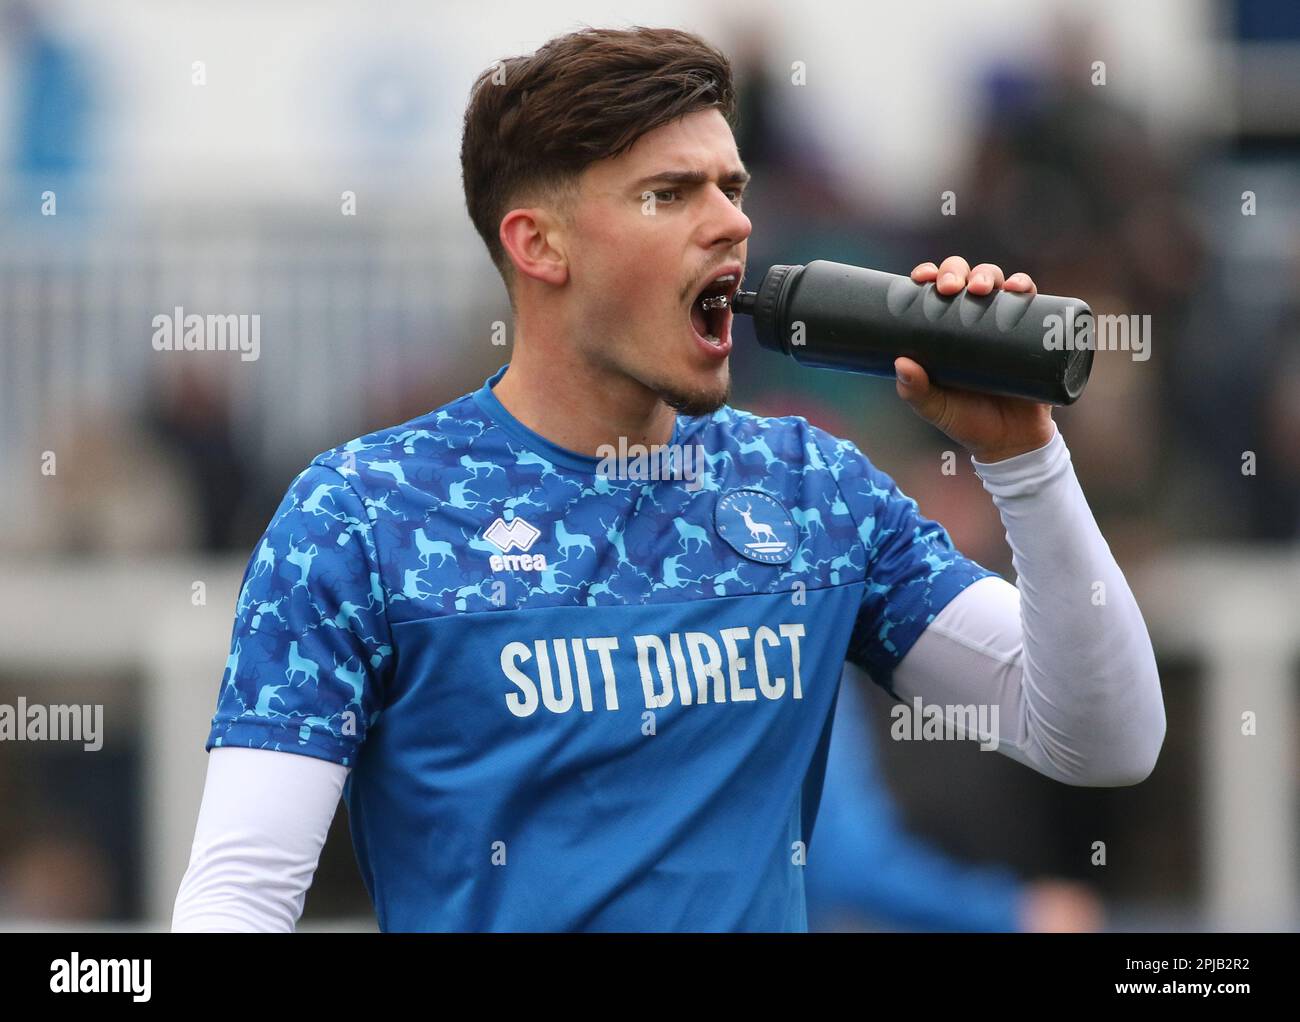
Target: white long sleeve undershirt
(261,828)
(1074,680)
(1064,653)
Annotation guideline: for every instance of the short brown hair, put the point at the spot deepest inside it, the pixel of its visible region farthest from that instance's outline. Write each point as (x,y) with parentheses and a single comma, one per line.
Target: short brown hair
(535,122)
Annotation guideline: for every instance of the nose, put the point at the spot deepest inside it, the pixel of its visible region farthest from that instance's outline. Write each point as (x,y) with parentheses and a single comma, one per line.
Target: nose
(726,223)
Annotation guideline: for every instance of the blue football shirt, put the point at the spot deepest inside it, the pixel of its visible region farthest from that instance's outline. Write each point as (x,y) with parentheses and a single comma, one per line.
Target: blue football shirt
(576,699)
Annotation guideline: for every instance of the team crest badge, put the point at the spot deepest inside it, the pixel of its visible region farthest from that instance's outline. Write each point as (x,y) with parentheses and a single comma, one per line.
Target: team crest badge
(756,526)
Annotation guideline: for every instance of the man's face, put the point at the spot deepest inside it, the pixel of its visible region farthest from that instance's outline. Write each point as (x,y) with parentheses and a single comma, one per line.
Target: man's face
(652,228)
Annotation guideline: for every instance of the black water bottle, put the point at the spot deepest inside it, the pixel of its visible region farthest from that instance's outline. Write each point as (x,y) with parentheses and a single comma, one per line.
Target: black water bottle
(835,316)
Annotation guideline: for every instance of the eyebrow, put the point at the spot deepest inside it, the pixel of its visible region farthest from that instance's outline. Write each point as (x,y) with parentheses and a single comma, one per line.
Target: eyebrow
(693,177)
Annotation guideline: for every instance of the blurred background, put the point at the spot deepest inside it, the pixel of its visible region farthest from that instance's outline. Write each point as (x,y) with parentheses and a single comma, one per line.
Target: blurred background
(299,161)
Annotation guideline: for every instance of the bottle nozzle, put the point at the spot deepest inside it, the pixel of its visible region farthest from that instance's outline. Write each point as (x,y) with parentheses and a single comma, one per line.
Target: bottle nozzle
(743,301)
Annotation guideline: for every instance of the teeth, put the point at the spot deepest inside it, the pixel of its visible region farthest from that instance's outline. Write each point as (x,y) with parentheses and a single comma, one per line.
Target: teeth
(715,302)
(723,283)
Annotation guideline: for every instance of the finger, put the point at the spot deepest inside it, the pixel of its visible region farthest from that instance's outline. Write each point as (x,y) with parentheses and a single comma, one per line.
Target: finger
(984,278)
(1021,282)
(953,272)
(924,273)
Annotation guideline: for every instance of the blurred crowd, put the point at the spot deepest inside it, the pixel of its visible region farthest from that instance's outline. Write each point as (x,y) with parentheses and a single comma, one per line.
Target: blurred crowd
(1062,181)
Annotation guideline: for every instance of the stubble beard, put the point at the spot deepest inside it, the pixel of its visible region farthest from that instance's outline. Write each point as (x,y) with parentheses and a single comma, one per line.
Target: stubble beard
(696,402)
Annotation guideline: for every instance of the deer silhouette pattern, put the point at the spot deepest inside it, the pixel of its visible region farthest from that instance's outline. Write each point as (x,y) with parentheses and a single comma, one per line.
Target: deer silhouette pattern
(387,529)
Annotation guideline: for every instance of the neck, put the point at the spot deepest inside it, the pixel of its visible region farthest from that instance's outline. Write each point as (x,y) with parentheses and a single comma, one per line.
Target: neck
(578,405)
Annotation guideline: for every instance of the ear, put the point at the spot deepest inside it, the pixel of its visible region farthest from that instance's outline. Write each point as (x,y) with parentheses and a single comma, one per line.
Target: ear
(534,242)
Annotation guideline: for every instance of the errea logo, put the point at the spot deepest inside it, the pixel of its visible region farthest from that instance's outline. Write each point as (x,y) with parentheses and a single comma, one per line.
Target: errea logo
(506,537)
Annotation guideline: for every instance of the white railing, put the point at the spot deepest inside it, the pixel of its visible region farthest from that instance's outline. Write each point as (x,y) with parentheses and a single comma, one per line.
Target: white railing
(1236,611)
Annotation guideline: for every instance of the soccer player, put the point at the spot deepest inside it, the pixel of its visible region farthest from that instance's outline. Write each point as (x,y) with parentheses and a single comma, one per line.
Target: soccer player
(562,690)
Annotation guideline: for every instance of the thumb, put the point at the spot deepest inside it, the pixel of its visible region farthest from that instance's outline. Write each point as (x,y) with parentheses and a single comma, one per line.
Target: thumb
(914,387)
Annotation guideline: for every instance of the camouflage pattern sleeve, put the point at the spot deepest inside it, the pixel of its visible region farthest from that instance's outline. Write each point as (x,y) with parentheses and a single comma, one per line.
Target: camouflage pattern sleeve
(311,644)
(912,569)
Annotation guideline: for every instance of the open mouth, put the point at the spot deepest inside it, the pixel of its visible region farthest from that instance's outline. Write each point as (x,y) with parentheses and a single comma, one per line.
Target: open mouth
(710,312)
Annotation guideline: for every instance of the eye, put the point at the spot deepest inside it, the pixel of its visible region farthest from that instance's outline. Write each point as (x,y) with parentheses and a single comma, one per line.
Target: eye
(669,192)
(739,194)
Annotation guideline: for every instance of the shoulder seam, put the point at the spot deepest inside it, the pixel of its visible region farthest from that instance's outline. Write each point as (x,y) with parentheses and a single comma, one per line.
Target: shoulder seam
(857,525)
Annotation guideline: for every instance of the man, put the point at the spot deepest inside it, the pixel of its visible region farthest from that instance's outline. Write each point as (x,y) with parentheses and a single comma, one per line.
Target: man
(561,692)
